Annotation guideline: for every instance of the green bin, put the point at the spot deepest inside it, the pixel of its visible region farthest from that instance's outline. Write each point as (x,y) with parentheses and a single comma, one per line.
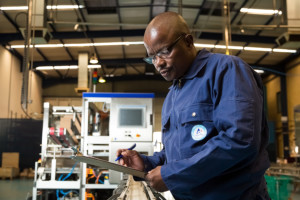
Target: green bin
(279,187)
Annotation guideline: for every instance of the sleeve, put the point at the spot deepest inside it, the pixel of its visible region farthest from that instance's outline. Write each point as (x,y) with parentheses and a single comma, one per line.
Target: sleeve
(237,117)
(151,162)
(157,159)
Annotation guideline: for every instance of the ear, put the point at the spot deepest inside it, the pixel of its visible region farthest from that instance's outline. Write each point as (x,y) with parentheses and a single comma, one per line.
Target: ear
(189,40)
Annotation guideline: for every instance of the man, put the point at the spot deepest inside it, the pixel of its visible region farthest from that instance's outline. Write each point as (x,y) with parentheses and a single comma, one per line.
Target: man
(213,125)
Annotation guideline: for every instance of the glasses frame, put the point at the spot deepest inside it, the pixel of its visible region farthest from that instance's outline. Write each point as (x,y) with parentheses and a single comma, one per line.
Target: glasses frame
(150,59)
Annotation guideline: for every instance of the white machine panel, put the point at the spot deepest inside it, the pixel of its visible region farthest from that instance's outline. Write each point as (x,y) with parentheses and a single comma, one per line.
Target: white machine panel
(131,119)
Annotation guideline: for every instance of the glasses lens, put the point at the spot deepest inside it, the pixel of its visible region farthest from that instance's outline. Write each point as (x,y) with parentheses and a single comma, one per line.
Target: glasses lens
(148,60)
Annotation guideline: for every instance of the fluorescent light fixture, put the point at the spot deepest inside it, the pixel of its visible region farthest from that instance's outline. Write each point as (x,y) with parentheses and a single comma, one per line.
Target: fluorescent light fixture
(259,71)
(284,50)
(58,7)
(64,67)
(260,11)
(257,49)
(109,75)
(204,45)
(94,66)
(14,8)
(229,47)
(65,7)
(140,43)
(44,68)
(79,44)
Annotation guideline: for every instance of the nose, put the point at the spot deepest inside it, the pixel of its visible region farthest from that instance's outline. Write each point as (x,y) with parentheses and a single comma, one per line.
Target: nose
(159,63)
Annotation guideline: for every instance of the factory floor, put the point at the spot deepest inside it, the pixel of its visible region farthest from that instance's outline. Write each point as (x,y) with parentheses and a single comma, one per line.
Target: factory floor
(17,189)
(21,189)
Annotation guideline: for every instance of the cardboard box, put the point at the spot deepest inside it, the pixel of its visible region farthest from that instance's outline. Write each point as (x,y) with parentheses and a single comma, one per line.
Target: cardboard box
(10,159)
(9,172)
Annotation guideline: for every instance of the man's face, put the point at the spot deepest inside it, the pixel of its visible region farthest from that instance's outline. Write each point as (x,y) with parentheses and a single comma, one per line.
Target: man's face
(169,55)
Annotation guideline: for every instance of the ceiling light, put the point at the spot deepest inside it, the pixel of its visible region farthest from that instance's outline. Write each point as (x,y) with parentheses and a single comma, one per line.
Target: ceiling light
(65,67)
(14,8)
(58,7)
(44,68)
(229,47)
(284,50)
(94,66)
(257,49)
(101,80)
(204,45)
(78,27)
(140,43)
(259,71)
(260,11)
(94,59)
(65,7)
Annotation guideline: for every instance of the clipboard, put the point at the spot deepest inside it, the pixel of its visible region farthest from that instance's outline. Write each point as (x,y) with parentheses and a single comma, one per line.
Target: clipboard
(109,165)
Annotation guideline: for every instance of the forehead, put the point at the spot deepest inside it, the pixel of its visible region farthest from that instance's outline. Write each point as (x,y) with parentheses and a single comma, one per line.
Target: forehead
(156,40)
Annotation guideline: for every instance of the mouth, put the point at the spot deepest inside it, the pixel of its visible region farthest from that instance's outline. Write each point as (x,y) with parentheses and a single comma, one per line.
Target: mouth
(164,72)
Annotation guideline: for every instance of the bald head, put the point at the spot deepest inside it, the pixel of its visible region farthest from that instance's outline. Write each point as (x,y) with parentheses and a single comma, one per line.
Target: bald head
(169,45)
(166,25)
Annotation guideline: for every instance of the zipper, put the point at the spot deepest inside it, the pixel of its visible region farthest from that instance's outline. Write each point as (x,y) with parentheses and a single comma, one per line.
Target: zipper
(179,83)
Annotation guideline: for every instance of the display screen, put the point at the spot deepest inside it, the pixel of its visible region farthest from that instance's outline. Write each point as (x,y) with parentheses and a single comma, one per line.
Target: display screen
(131,117)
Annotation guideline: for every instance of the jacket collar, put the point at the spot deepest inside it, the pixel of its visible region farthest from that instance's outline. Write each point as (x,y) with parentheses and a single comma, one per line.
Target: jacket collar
(198,64)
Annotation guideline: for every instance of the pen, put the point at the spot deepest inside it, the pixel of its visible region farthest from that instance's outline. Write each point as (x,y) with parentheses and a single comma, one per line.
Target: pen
(130,148)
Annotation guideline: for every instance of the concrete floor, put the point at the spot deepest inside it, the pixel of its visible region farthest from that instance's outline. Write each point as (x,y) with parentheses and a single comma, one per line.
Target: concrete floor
(21,189)
(17,189)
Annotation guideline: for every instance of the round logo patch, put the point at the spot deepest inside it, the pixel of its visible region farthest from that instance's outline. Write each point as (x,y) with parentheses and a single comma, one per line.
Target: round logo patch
(198,132)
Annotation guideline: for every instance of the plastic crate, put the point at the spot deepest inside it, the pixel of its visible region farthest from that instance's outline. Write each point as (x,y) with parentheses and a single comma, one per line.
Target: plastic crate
(279,187)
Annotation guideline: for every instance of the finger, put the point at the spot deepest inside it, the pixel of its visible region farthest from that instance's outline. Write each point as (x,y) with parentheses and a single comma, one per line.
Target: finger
(119,151)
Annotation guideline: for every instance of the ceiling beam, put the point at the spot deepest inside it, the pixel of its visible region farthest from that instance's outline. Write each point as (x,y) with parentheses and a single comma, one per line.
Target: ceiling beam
(238,11)
(199,12)
(11,21)
(61,41)
(47,82)
(239,38)
(117,62)
(8,37)
(42,54)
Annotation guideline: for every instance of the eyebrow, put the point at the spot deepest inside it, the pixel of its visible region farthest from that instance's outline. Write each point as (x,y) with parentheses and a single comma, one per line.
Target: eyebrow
(165,47)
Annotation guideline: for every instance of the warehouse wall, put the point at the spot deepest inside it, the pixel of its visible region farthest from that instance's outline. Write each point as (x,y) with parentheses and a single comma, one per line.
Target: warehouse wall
(293,93)
(10,87)
(272,84)
(16,133)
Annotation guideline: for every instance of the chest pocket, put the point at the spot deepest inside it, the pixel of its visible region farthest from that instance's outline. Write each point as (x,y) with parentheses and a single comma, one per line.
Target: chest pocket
(196,113)
(192,118)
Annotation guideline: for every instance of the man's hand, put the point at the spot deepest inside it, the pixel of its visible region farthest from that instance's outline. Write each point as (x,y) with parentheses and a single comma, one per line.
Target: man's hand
(155,180)
(131,159)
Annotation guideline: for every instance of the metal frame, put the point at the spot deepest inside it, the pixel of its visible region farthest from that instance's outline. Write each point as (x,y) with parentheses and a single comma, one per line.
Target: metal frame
(41,171)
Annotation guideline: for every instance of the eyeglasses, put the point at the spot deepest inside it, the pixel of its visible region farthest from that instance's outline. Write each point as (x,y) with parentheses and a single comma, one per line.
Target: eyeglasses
(164,53)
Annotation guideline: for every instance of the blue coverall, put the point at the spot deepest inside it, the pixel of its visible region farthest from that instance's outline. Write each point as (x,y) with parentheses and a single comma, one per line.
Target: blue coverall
(214,132)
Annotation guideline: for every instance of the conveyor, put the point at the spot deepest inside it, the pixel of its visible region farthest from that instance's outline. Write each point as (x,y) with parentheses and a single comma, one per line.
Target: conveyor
(132,190)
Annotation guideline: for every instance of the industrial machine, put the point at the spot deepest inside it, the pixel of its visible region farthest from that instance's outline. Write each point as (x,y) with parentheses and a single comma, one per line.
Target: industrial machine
(130,118)
(56,175)
(104,123)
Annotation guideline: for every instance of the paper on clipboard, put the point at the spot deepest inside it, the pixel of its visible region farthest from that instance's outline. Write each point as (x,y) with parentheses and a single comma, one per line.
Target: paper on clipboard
(109,165)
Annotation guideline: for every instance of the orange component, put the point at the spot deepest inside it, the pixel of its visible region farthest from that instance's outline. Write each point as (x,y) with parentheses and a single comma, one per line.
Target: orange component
(138,135)
(89,171)
(89,196)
